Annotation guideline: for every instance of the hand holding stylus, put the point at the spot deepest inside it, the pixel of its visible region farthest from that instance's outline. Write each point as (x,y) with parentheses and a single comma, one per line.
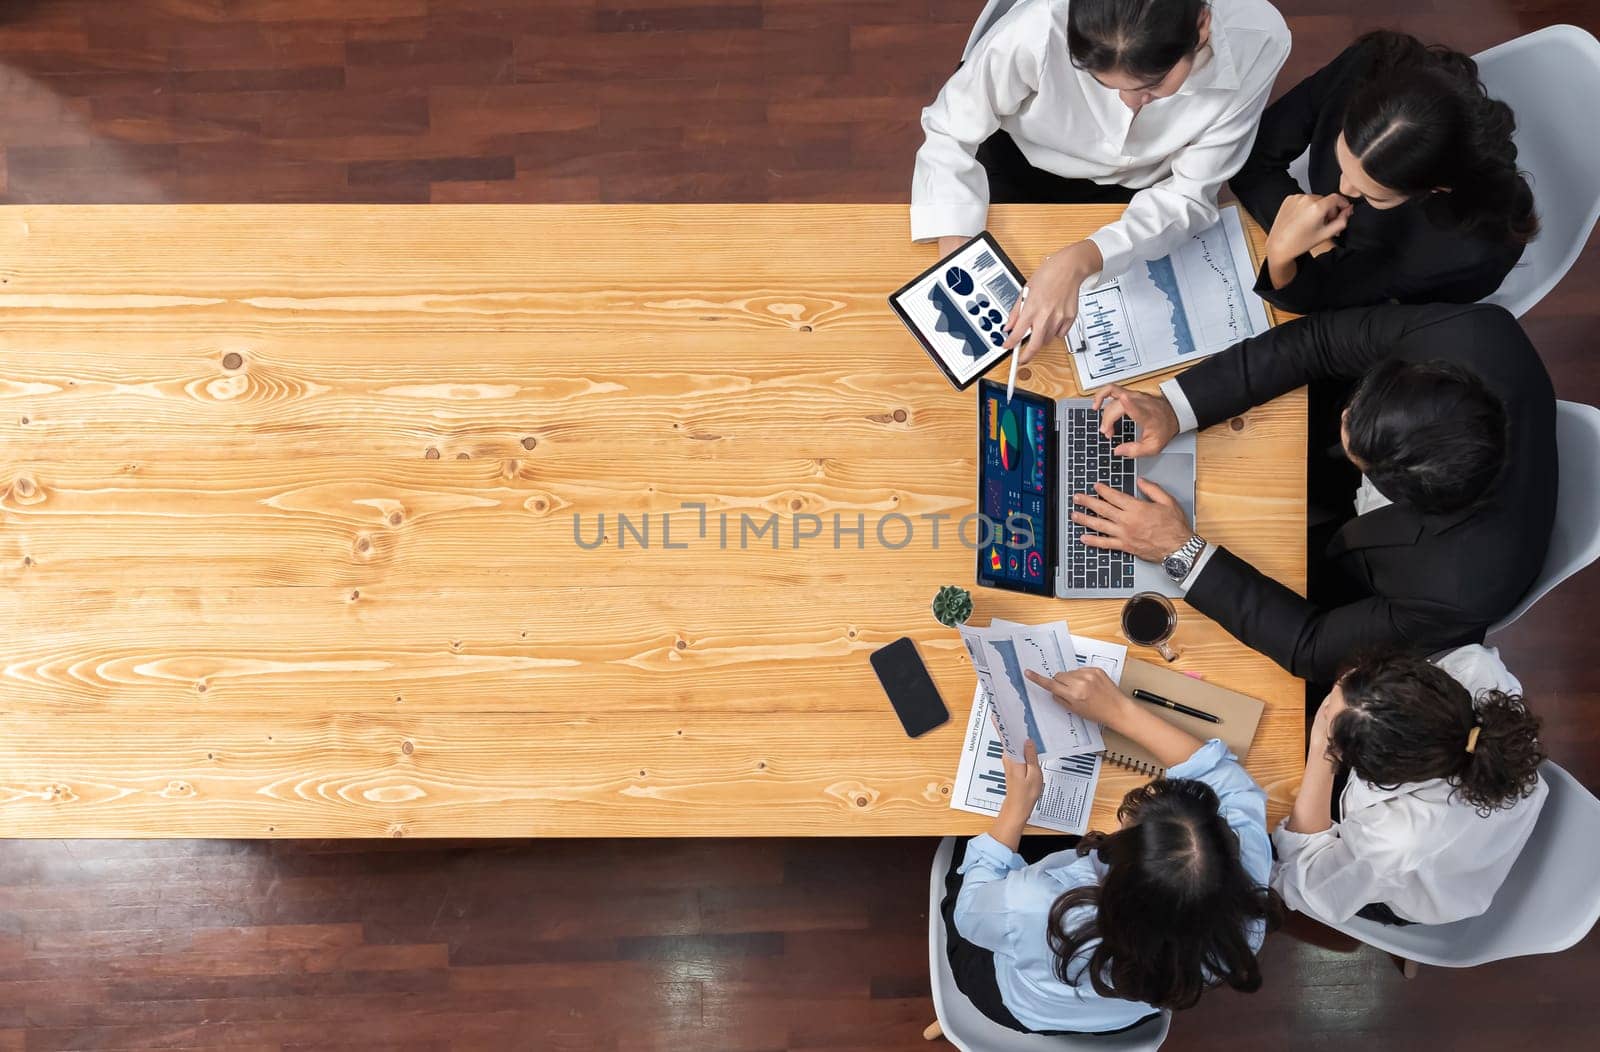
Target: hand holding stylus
(1049,312)
(1011,381)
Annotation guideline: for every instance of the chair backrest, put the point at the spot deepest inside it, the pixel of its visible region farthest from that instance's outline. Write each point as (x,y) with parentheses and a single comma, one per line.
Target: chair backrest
(993,11)
(1575,540)
(1549,900)
(1551,81)
(971,1031)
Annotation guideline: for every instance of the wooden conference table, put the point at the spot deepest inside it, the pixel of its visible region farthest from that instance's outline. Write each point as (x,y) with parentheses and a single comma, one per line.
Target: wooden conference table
(287,535)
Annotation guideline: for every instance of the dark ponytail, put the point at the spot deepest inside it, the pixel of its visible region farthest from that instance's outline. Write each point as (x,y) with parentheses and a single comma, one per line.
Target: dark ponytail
(1407,720)
(1504,766)
(1143,38)
(1421,119)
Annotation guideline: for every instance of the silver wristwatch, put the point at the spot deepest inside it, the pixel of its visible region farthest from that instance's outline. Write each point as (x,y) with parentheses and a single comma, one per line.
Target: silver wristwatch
(1180,562)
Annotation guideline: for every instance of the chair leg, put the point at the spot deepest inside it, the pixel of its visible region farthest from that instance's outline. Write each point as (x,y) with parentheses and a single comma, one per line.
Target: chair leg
(934,1031)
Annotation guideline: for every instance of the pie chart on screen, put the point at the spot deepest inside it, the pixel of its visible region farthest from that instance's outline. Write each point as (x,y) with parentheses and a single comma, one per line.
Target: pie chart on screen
(960,281)
(1010,449)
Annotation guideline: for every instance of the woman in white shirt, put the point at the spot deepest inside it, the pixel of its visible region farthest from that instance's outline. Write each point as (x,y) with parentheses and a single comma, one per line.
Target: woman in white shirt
(1443,792)
(1096,939)
(1063,99)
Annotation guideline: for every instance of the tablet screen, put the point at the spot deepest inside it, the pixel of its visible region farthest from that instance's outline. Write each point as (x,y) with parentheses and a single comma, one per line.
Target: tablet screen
(958,309)
(1015,463)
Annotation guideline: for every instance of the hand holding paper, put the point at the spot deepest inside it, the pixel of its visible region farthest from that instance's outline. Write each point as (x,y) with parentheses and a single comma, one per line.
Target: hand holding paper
(984,771)
(1088,692)
(1025,711)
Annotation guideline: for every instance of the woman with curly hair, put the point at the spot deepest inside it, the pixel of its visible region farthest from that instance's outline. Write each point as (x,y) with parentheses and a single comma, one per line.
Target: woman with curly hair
(1440,764)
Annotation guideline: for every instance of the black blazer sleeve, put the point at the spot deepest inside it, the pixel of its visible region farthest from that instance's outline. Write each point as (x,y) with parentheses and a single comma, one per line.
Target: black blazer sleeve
(1287,128)
(1263,614)
(1311,642)
(1332,345)
(1338,279)
(1448,270)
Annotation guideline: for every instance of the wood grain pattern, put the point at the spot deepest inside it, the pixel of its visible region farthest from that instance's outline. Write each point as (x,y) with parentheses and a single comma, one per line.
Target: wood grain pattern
(691,944)
(287,538)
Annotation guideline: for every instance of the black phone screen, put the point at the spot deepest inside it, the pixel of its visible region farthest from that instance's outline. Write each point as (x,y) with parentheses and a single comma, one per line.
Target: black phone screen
(911,691)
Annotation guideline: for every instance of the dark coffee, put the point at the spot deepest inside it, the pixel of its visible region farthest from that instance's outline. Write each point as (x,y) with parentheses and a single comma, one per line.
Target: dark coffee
(1146,620)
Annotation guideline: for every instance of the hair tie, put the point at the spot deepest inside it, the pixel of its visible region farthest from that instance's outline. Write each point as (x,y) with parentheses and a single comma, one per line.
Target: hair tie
(1472,737)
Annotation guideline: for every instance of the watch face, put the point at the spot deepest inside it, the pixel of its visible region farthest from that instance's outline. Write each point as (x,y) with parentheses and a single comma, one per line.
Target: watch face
(1176,567)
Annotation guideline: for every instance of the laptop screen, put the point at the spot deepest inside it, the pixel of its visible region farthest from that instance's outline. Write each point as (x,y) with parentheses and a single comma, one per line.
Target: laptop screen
(1014,493)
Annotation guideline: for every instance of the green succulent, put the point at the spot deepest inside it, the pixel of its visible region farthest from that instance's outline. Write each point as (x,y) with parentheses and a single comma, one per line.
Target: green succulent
(952,605)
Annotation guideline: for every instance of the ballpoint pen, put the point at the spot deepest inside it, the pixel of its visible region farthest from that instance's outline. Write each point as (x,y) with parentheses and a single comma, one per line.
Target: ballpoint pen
(1167,703)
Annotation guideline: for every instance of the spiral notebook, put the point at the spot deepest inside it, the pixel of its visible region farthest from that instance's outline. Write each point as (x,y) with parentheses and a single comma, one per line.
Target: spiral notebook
(1240,714)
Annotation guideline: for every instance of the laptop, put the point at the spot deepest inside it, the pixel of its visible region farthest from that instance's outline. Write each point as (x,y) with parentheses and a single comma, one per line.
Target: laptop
(1034,453)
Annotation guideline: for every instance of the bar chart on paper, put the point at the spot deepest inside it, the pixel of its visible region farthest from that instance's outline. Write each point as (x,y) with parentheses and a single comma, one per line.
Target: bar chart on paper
(1170,311)
(1107,340)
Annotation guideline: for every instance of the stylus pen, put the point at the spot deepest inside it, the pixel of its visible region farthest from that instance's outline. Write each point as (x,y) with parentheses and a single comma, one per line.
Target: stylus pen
(1011,381)
(1168,703)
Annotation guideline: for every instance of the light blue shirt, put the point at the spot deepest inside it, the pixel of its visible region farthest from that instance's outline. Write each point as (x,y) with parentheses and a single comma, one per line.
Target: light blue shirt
(1004,905)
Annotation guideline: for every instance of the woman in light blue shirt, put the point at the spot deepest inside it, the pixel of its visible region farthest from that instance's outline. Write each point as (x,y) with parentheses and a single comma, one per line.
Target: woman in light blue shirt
(1097,939)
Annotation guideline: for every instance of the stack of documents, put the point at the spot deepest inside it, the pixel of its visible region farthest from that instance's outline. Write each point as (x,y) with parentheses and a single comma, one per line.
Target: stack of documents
(1007,711)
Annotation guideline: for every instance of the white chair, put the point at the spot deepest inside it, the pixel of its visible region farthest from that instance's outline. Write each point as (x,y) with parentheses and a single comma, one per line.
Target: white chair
(971,1031)
(993,11)
(1549,900)
(1575,539)
(1551,81)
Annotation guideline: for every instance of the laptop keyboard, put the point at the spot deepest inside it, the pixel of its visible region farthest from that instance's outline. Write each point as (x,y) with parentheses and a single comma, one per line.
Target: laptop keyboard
(1088,459)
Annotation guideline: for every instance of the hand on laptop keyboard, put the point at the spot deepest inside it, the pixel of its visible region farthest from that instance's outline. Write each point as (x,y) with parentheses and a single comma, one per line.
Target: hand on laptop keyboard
(1157,422)
(1089,458)
(1150,528)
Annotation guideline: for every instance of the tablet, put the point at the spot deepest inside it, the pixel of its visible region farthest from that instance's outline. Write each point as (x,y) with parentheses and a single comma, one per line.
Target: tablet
(957,309)
(1016,485)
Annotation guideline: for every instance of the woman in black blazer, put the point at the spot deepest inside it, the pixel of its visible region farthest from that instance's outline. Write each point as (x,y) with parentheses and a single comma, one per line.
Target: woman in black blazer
(1415,195)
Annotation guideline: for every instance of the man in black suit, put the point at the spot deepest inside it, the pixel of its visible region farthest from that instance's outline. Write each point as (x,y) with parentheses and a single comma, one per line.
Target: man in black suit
(1436,507)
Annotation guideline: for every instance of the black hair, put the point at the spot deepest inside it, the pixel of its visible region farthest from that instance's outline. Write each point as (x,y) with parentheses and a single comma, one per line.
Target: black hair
(1430,435)
(1173,913)
(1421,119)
(1408,720)
(1143,38)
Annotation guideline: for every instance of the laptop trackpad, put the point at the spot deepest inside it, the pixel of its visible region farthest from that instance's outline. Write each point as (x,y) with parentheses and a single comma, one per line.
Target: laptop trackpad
(1173,472)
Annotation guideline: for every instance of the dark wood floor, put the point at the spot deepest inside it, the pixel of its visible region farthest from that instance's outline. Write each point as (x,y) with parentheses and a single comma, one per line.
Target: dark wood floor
(693,945)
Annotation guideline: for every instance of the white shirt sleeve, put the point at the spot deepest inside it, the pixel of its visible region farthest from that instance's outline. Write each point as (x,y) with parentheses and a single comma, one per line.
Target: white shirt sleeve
(1180,405)
(950,189)
(1185,202)
(1332,874)
(1479,668)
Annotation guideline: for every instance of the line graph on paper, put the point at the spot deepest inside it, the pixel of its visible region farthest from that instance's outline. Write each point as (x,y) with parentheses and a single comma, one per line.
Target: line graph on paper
(1210,289)
(1171,311)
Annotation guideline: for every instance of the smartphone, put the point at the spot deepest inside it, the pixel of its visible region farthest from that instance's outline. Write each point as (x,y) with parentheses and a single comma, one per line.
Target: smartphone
(911,691)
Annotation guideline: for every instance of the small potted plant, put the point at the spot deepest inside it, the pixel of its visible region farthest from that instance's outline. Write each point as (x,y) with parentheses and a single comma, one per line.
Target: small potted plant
(952,606)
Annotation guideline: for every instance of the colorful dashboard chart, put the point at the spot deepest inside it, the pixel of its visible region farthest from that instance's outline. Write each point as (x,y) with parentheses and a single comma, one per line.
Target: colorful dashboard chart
(1010,441)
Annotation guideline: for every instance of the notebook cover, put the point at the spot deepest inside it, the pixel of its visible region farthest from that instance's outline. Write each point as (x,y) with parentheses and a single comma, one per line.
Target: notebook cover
(1240,714)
